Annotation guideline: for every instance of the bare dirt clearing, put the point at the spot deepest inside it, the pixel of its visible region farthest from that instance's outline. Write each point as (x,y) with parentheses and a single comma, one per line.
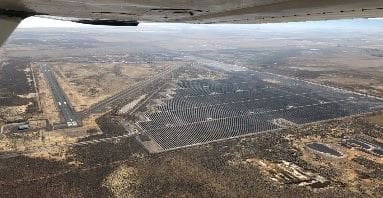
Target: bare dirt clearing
(87,84)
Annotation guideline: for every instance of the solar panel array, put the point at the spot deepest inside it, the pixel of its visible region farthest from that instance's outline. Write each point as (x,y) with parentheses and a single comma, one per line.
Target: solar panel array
(206,110)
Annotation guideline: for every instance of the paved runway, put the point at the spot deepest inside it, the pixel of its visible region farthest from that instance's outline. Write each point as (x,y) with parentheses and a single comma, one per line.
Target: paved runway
(61,101)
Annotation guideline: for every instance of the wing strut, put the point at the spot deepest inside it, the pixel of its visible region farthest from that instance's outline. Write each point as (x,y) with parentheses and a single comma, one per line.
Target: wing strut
(9,20)
(8,25)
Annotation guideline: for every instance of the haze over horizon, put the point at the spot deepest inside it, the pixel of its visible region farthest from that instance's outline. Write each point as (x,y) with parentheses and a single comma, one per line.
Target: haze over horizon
(38,22)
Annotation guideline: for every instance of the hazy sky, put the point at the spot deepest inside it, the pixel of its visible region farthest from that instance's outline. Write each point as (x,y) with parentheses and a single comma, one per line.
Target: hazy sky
(33,22)
(36,22)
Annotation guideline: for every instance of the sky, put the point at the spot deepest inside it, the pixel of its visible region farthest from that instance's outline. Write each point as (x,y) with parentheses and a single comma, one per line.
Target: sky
(36,22)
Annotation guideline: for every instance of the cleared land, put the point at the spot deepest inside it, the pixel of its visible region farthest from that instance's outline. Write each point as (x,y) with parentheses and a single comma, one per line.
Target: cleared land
(88,84)
(200,111)
(48,106)
(343,65)
(241,167)
(83,162)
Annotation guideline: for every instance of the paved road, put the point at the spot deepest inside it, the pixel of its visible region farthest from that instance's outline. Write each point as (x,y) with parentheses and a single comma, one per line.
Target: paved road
(62,103)
(110,102)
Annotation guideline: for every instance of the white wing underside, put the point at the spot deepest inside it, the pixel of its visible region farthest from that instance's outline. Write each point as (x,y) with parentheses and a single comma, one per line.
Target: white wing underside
(201,11)
(129,12)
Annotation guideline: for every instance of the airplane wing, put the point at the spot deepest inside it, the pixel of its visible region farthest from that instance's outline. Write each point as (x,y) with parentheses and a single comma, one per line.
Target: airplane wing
(131,12)
(7,26)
